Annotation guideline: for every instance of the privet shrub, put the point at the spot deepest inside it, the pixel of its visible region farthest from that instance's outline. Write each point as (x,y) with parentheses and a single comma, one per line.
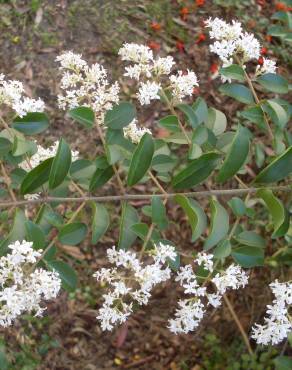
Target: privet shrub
(200,148)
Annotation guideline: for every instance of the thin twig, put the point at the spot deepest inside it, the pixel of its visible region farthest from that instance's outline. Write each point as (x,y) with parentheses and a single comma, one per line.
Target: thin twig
(156,182)
(238,323)
(8,183)
(117,198)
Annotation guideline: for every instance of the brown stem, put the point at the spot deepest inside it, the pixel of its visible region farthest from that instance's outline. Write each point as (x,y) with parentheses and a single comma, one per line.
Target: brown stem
(116,198)
(156,182)
(8,182)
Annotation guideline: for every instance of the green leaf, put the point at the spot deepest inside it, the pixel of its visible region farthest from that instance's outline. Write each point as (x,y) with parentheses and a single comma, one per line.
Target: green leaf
(277,210)
(31,123)
(141,230)
(22,146)
(35,234)
(276,112)
(120,116)
(100,177)
(237,205)
(283,363)
(189,113)
(201,110)
(5,146)
(234,71)
(219,224)
(196,216)
(159,213)
(37,177)
(248,257)
(18,231)
(238,92)
(254,114)
(67,274)
(222,250)
(129,218)
(273,82)
(163,163)
(251,239)
(83,115)
(100,222)
(141,160)
(236,155)
(277,170)
(170,123)
(216,122)
(196,172)
(61,165)
(73,233)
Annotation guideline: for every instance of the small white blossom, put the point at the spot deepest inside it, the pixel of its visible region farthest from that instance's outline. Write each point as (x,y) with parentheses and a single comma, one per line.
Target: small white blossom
(22,292)
(163,66)
(136,53)
(249,46)
(234,277)
(148,91)
(269,66)
(187,316)
(278,322)
(183,84)
(206,260)
(135,133)
(214,299)
(163,252)
(12,95)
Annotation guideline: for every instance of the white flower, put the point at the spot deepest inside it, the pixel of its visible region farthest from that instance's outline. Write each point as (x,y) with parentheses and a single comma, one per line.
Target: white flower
(249,46)
(135,133)
(214,299)
(183,84)
(163,252)
(206,260)
(220,30)
(22,292)
(11,94)
(86,85)
(277,323)
(234,277)
(136,53)
(269,66)
(187,316)
(133,284)
(34,196)
(148,91)
(163,66)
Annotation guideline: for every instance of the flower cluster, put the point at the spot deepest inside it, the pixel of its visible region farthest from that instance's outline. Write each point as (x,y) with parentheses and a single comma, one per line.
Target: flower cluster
(191,310)
(278,322)
(132,284)
(135,133)
(12,95)
(86,85)
(150,71)
(232,41)
(42,154)
(22,291)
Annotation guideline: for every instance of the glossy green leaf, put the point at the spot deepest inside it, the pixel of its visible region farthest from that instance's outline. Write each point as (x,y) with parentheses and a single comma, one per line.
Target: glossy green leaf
(277,210)
(234,71)
(276,112)
(189,113)
(18,231)
(219,224)
(141,160)
(238,92)
(222,250)
(37,177)
(141,230)
(100,222)
(35,234)
(273,82)
(196,216)
(159,213)
(31,123)
(100,177)
(248,257)
(73,233)
(237,205)
(128,219)
(277,170)
(216,121)
(283,363)
(170,123)
(251,239)
(83,115)
(196,171)
(201,110)
(120,116)
(61,165)
(66,272)
(236,155)
(5,146)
